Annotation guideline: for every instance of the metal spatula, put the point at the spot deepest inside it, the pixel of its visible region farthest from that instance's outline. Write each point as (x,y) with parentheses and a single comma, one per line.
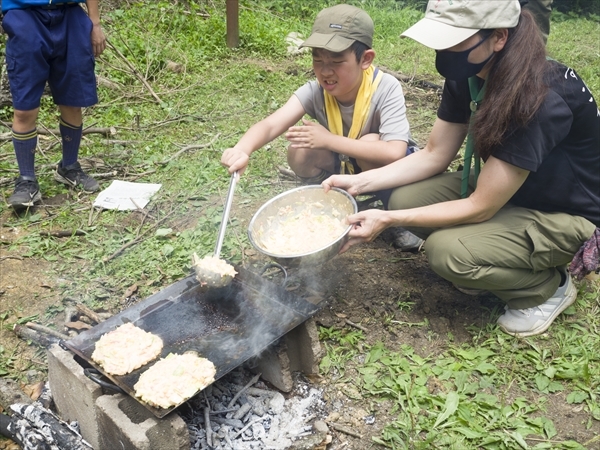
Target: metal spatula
(210,269)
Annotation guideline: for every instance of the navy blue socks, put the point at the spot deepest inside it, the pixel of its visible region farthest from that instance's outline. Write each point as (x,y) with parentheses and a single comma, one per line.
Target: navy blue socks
(71,138)
(25,144)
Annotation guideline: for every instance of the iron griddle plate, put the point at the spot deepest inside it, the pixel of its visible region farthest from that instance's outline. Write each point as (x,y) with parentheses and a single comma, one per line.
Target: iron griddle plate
(226,325)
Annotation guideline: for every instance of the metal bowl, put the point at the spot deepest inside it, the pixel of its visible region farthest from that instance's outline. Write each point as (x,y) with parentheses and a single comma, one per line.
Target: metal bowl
(336,202)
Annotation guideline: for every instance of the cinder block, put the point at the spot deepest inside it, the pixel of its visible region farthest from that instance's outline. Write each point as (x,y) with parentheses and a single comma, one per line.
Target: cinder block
(274,366)
(304,348)
(298,350)
(74,394)
(109,422)
(126,425)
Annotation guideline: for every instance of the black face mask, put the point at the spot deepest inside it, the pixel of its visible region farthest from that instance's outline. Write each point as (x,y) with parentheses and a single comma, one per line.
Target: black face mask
(456,66)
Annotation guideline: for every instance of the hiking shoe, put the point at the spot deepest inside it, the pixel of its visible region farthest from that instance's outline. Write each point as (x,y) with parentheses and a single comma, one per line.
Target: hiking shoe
(73,175)
(536,320)
(27,192)
(405,241)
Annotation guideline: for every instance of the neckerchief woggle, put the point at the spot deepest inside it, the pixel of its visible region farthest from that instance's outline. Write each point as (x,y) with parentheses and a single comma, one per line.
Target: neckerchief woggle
(368,86)
(476,98)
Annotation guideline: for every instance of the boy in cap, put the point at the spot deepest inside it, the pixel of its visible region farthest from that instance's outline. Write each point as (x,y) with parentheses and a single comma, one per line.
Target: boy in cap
(359,111)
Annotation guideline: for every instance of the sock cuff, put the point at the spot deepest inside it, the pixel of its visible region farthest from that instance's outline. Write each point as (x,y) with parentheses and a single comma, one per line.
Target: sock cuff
(68,125)
(24,136)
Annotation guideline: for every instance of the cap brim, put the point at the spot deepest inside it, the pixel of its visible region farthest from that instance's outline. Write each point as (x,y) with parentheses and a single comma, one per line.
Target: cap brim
(438,35)
(332,42)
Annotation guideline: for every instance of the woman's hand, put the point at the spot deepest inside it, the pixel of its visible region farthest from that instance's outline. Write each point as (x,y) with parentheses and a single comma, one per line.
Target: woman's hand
(352,184)
(310,135)
(235,159)
(366,226)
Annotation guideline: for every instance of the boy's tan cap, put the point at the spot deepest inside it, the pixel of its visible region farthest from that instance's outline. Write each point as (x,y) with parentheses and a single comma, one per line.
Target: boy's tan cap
(449,22)
(336,28)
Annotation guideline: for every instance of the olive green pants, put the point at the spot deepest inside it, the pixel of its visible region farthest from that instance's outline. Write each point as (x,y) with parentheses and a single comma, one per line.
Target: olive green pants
(515,255)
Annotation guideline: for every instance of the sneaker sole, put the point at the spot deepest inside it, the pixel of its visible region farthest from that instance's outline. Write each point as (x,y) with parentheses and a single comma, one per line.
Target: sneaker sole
(18,206)
(58,177)
(572,296)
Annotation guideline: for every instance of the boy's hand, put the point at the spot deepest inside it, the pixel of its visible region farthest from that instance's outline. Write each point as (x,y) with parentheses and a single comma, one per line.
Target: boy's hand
(98,40)
(309,135)
(235,159)
(366,226)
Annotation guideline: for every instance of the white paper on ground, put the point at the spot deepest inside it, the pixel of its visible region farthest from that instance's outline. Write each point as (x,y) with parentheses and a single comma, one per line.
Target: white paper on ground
(121,195)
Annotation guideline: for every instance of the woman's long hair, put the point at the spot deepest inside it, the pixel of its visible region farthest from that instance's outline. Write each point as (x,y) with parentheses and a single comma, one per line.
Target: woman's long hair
(515,86)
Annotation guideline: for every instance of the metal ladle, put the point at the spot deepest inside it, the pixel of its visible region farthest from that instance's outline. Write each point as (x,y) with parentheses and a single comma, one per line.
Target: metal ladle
(204,274)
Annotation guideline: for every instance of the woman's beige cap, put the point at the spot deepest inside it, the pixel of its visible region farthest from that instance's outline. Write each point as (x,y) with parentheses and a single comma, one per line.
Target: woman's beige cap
(449,22)
(338,27)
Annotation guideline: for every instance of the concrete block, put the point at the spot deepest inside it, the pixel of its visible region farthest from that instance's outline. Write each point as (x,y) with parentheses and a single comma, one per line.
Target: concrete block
(74,394)
(304,348)
(274,366)
(126,425)
(109,422)
(298,350)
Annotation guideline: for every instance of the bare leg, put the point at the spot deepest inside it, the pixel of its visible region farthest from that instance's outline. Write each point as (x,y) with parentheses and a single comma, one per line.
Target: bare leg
(71,114)
(24,121)
(309,163)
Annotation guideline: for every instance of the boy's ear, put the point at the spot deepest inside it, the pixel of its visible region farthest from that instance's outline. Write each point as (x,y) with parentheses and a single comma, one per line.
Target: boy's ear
(367,58)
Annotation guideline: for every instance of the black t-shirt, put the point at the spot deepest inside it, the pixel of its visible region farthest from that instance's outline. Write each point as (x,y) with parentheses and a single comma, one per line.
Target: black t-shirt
(560,147)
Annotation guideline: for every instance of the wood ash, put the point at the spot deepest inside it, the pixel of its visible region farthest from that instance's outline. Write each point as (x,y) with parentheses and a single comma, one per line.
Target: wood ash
(239,412)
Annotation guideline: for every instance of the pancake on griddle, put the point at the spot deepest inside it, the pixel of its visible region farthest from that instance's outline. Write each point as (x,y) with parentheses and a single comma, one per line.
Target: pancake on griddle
(125,349)
(174,379)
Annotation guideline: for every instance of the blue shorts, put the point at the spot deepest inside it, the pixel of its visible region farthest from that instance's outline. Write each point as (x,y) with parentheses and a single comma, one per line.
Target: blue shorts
(54,46)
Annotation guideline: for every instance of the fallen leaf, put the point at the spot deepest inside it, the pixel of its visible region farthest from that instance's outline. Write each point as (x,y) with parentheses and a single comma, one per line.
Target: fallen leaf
(131,290)
(34,390)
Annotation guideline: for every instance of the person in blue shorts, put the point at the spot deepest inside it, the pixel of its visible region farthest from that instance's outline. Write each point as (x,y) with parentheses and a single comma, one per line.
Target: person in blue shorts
(51,41)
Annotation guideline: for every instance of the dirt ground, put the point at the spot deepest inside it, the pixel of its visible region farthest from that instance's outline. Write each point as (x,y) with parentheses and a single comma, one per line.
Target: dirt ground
(362,286)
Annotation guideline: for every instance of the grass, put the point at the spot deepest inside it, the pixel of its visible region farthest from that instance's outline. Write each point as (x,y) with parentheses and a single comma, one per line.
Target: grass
(491,393)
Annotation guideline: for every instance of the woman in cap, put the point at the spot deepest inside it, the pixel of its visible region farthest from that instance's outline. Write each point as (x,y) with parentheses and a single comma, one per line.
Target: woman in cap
(513,228)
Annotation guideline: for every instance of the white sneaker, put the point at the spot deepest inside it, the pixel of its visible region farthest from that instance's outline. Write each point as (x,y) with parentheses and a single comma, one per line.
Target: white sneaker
(536,320)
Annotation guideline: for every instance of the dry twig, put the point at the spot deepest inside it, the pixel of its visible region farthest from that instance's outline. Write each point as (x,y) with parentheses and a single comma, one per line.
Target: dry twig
(134,71)
(189,147)
(355,325)
(63,233)
(46,330)
(344,430)
(87,312)
(136,240)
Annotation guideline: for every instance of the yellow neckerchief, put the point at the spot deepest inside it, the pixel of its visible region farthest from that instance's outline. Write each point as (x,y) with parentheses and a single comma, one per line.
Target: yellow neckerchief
(362,105)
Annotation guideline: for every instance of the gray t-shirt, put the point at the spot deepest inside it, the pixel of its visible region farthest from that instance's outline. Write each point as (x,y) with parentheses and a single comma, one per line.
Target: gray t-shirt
(387,115)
